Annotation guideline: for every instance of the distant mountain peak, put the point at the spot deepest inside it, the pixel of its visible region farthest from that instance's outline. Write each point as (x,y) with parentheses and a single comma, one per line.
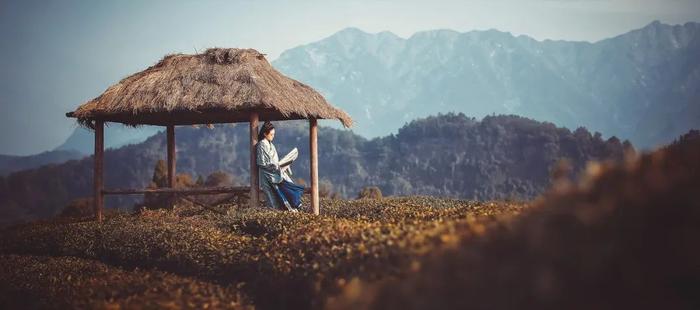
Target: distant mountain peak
(351,30)
(656,24)
(435,32)
(387,33)
(671,36)
(357,32)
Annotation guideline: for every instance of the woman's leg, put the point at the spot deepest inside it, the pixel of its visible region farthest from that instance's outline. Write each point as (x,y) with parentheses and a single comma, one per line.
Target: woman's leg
(271,200)
(282,199)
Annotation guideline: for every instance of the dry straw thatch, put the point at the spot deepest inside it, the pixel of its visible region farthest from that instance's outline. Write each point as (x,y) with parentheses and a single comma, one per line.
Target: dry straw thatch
(218,86)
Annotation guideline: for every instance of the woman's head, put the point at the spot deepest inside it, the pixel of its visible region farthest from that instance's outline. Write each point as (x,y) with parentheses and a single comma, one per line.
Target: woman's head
(267,131)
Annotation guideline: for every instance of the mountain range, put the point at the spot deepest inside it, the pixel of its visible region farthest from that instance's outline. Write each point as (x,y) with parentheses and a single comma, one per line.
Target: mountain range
(643,85)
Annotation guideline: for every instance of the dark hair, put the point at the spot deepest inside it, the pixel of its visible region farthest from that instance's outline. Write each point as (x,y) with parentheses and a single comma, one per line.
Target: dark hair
(265,129)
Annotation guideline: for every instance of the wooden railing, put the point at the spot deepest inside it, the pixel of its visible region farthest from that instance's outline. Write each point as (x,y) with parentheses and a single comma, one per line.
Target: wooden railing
(184,190)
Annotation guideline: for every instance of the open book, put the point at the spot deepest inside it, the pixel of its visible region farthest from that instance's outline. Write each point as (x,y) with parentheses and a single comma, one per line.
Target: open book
(289,158)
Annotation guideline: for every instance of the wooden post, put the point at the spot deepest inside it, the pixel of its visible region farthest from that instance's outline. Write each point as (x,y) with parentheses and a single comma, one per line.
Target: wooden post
(171,156)
(98,174)
(253,160)
(313,146)
(171,164)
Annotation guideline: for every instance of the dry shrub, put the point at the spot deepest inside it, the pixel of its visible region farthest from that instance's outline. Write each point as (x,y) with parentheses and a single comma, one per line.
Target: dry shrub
(325,188)
(219,178)
(183,180)
(79,207)
(160,174)
(160,180)
(370,192)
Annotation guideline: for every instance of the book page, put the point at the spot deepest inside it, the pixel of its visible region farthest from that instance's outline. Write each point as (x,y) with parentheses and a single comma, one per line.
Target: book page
(289,158)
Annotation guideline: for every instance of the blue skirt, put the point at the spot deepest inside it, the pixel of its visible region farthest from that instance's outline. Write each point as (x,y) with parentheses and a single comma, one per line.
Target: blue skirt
(289,193)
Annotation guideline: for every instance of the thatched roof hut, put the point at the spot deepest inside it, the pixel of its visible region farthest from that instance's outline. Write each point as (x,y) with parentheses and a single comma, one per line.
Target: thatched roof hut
(217,86)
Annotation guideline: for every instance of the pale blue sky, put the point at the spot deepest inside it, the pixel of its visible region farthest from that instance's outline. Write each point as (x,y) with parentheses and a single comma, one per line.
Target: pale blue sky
(56,55)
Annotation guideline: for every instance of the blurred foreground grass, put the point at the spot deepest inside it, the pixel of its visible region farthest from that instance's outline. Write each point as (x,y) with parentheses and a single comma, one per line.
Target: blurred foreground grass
(625,236)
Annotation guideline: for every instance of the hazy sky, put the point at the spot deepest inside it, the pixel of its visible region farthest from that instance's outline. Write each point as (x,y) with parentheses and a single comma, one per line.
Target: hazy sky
(55,55)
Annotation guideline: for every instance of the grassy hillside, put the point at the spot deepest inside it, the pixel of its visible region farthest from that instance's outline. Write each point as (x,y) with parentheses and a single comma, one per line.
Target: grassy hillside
(273,258)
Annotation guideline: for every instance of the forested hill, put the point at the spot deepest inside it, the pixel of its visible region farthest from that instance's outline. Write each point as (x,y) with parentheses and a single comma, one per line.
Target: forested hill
(12,163)
(445,155)
(496,158)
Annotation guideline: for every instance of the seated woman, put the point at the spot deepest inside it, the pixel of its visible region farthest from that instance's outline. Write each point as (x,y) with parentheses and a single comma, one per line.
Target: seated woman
(280,191)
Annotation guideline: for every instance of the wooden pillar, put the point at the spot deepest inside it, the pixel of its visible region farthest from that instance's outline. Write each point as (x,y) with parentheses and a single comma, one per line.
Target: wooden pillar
(98,171)
(313,147)
(254,189)
(171,156)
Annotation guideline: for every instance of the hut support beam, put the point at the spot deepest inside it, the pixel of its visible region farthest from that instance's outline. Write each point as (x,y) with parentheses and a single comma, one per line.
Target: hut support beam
(171,162)
(171,156)
(313,146)
(98,172)
(254,189)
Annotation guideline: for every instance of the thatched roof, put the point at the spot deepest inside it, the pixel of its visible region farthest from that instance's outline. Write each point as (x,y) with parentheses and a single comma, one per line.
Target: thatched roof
(217,86)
